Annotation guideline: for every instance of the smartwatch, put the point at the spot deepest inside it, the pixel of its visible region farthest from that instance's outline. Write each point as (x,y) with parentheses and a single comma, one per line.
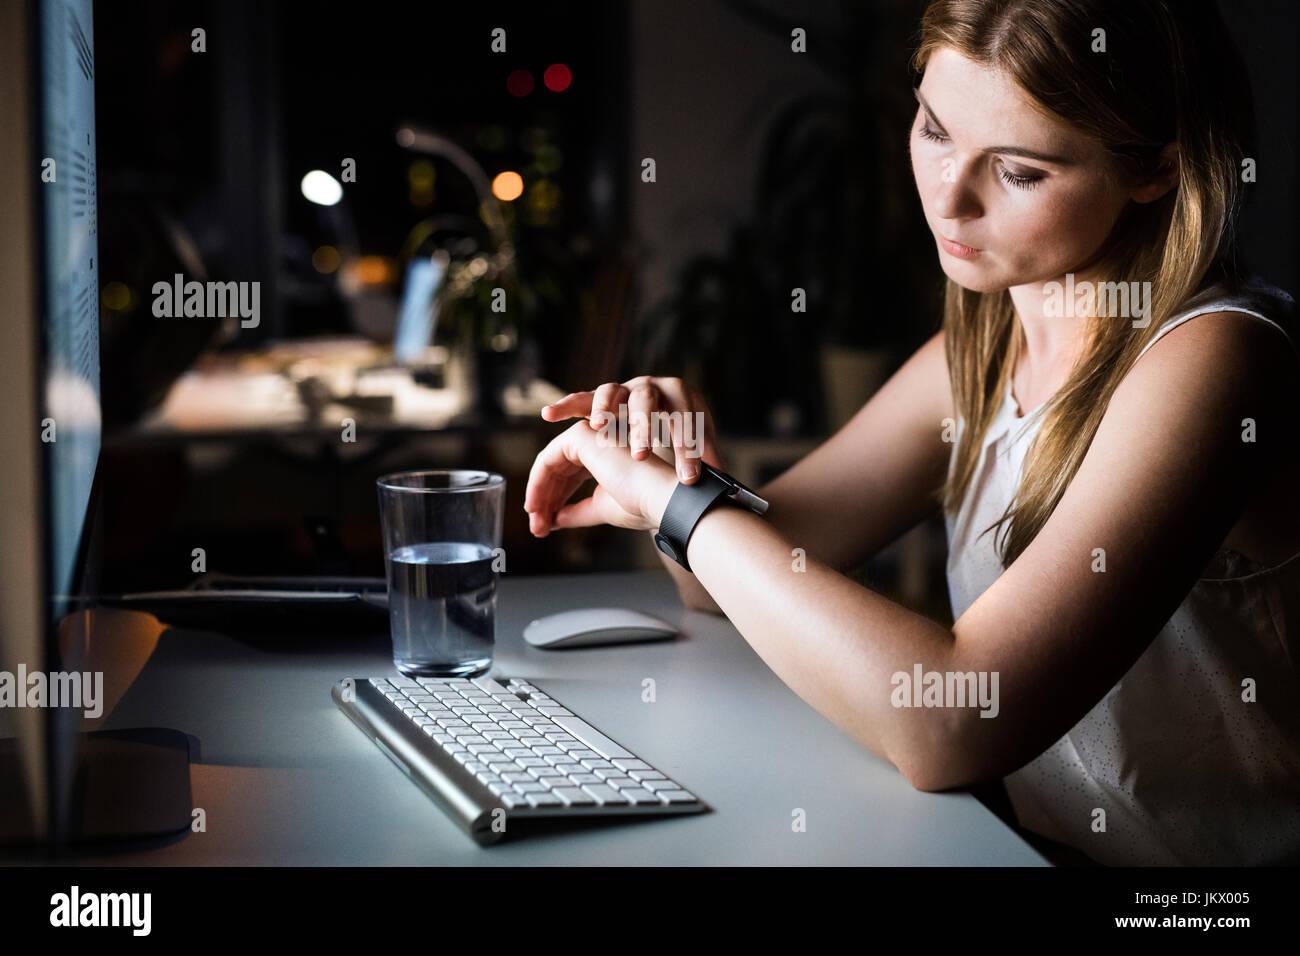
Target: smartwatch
(688,504)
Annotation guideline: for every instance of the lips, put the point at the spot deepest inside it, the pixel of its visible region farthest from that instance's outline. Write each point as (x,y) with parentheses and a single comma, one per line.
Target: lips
(958,249)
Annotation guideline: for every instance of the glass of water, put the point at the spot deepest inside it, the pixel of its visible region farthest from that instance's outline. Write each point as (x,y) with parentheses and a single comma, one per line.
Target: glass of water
(442,538)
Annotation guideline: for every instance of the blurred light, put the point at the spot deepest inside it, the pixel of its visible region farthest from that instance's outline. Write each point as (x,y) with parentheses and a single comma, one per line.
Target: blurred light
(557,77)
(492,137)
(548,159)
(321,188)
(376,270)
(519,83)
(421,173)
(543,199)
(502,341)
(420,177)
(326,259)
(116,296)
(405,136)
(507,186)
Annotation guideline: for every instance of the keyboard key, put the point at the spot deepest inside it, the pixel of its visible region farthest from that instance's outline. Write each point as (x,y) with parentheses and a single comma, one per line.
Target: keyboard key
(639,797)
(643,775)
(575,797)
(546,711)
(544,800)
(488,685)
(659,786)
(533,787)
(594,739)
(622,783)
(581,778)
(554,782)
(631,763)
(676,796)
(606,796)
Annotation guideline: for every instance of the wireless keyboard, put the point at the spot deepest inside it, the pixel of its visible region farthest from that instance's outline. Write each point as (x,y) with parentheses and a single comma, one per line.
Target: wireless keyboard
(492,754)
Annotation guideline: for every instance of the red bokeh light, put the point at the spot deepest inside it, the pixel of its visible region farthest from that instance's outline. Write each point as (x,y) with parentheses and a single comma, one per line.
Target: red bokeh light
(519,83)
(557,77)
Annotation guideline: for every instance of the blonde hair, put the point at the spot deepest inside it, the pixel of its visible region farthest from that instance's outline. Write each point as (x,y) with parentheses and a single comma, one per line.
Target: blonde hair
(1154,85)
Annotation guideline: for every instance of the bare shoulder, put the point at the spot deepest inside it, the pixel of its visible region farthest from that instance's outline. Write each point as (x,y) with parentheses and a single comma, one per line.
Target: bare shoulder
(1225,365)
(931,384)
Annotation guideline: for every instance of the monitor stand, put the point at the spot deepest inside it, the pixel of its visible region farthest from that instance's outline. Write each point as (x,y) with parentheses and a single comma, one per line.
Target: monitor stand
(130,786)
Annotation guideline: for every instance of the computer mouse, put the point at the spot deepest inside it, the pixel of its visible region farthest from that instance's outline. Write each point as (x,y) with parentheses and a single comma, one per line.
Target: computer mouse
(588,626)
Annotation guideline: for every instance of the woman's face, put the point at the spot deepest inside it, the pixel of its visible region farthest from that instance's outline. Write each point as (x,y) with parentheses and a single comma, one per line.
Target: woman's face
(1012,196)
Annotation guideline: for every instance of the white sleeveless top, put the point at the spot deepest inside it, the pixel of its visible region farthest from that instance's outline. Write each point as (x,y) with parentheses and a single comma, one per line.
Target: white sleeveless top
(1185,770)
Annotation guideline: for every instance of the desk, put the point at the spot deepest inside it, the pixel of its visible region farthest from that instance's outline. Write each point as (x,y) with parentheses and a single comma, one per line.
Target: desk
(285,778)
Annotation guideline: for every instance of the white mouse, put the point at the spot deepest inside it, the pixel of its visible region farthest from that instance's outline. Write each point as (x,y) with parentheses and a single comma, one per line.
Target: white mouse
(596,625)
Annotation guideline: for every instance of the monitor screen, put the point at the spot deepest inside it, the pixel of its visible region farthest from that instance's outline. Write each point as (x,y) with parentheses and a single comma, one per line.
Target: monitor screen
(418,311)
(71,429)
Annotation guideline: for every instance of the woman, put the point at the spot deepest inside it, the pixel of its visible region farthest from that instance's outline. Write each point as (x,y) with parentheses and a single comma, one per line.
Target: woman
(1117,479)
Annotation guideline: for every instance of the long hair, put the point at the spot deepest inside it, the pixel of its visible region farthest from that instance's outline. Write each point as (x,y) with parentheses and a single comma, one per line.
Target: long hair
(1161,71)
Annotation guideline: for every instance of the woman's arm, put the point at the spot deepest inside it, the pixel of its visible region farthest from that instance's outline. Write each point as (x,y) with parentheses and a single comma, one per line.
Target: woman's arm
(866,484)
(1160,487)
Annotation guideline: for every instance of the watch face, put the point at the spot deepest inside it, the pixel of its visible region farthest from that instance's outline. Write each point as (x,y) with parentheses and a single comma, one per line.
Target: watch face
(744,495)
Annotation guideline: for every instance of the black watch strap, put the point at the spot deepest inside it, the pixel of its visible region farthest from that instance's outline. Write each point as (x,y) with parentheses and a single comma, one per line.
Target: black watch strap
(685,508)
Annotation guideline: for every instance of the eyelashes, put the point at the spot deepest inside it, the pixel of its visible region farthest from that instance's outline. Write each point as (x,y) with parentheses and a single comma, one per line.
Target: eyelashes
(1008,177)
(1020,182)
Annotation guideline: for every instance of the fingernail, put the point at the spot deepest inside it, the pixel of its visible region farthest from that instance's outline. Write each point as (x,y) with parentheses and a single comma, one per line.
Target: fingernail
(689,471)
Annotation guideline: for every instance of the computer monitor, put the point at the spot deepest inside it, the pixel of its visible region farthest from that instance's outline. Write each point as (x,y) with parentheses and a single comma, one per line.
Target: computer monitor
(49,382)
(418,313)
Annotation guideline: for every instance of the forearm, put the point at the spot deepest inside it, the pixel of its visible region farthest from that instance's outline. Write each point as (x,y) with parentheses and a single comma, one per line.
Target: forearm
(693,593)
(832,641)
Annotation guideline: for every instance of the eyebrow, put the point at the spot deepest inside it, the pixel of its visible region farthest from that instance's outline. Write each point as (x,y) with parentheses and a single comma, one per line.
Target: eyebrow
(1001,150)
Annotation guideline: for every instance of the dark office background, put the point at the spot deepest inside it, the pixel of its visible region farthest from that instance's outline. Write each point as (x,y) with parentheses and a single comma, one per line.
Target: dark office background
(775,170)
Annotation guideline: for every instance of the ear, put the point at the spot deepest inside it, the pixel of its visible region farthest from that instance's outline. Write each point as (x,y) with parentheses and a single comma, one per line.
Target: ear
(1162,180)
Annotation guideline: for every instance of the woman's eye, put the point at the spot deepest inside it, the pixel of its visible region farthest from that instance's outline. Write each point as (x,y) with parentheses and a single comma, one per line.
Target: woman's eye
(932,135)
(1020,181)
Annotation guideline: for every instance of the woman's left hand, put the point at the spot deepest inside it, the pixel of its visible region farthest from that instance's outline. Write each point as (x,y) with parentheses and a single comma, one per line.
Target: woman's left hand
(629,493)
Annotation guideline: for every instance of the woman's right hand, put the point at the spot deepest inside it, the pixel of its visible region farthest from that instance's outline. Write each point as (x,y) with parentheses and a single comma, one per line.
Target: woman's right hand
(651,403)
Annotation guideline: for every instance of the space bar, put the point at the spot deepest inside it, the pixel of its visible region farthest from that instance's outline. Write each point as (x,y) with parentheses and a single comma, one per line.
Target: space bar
(592,737)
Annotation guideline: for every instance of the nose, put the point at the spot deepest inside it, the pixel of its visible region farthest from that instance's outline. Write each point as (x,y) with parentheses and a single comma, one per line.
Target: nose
(955,196)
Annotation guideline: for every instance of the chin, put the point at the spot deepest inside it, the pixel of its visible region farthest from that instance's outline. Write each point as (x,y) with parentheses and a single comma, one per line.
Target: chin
(970,276)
